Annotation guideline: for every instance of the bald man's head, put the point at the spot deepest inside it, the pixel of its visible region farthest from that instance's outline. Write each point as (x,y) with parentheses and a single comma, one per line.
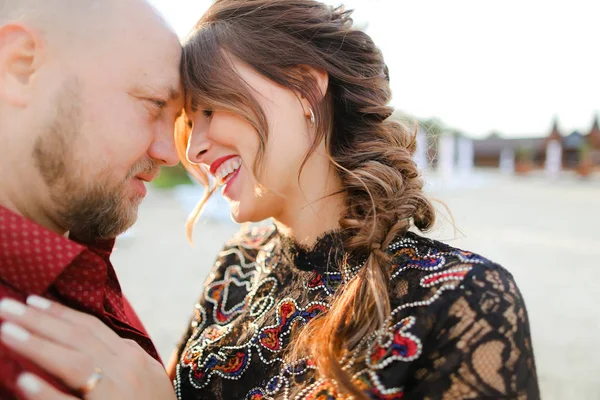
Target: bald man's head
(89,93)
(73,24)
(58,18)
(24,9)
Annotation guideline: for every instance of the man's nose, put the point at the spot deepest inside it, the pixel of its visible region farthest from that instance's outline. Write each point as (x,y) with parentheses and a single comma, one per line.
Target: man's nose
(163,150)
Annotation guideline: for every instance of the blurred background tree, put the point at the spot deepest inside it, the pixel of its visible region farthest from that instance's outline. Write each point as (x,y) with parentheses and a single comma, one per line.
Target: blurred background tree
(172,176)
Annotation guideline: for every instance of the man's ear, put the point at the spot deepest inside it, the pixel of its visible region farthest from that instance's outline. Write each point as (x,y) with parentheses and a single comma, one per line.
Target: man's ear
(20,53)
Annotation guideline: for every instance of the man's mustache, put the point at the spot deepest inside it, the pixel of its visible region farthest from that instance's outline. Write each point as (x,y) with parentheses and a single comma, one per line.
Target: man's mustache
(147,166)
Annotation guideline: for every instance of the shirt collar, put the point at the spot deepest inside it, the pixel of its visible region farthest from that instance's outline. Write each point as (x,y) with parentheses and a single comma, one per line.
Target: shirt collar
(32,257)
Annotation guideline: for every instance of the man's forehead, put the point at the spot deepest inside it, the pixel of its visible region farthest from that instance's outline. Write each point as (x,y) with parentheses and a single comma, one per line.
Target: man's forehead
(159,73)
(160,65)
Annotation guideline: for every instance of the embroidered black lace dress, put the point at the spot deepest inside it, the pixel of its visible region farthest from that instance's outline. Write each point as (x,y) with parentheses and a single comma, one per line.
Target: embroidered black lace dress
(458,327)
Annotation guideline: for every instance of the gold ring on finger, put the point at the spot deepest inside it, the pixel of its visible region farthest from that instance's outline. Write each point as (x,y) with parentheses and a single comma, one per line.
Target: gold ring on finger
(92,381)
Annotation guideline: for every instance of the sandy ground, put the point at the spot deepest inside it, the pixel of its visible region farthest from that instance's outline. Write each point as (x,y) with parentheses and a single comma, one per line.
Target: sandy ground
(546,232)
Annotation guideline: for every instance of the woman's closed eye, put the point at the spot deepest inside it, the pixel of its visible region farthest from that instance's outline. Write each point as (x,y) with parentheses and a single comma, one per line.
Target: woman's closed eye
(194,107)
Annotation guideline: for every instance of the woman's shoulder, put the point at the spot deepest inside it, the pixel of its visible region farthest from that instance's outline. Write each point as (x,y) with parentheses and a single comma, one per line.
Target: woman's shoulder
(426,271)
(458,314)
(435,260)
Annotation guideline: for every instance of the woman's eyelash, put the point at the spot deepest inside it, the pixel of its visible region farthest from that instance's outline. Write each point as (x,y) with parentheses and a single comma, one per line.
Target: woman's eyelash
(208,113)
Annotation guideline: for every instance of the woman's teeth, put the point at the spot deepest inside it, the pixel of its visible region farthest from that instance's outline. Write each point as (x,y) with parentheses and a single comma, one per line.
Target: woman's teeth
(225,171)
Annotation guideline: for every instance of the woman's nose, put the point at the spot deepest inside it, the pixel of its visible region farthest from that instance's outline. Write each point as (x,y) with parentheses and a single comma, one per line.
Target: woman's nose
(197,147)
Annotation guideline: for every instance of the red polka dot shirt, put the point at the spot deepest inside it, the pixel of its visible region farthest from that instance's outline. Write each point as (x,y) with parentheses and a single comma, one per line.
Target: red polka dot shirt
(34,260)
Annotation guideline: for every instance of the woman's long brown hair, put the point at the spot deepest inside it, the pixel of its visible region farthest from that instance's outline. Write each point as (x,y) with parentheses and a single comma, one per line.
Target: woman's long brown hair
(372,154)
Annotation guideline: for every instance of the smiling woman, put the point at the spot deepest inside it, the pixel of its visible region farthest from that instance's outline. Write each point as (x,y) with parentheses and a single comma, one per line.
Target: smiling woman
(287,109)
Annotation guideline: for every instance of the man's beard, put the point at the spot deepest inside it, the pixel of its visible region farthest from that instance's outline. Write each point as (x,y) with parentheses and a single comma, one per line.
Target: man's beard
(89,207)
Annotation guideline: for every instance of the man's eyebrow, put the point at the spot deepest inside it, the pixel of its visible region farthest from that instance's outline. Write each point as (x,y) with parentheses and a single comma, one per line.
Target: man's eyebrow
(145,90)
(174,94)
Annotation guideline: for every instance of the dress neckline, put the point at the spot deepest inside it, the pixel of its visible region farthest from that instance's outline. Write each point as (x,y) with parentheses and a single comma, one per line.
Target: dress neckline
(326,254)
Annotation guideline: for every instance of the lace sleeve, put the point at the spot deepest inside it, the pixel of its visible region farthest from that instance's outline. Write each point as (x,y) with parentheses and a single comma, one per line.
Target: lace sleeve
(480,346)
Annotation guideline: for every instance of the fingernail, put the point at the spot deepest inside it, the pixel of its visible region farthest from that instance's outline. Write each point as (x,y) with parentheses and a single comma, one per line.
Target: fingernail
(29,383)
(15,332)
(38,302)
(12,307)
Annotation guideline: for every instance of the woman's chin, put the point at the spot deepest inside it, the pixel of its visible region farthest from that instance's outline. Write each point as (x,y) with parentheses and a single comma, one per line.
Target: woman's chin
(238,214)
(241,215)
(236,218)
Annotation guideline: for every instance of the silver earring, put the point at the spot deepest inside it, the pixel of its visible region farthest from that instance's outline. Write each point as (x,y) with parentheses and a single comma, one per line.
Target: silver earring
(312,116)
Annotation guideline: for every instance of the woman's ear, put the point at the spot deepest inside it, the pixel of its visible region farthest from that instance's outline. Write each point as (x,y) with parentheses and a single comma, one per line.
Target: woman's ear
(321,78)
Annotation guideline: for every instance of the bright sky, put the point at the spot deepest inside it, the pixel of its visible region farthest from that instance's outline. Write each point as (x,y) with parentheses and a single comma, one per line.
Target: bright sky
(479,66)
